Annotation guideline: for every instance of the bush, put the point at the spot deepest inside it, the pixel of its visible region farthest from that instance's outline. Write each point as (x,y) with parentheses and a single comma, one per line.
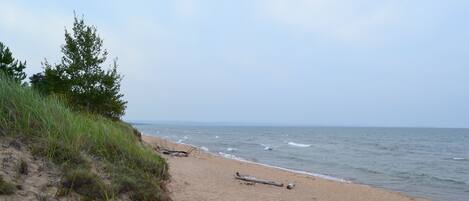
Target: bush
(6,188)
(23,168)
(85,183)
(11,66)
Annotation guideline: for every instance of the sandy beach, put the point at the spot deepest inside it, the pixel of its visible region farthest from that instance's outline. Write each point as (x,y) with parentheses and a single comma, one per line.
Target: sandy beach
(204,177)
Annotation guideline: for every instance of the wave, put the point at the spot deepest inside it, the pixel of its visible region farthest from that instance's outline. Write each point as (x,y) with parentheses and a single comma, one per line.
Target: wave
(234,157)
(322,176)
(458,159)
(298,144)
(231,149)
(426,178)
(231,156)
(180,141)
(267,147)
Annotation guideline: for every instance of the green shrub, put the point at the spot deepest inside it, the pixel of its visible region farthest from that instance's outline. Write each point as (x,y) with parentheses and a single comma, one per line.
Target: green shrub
(84,182)
(10,66)
(6,188)
(22,168)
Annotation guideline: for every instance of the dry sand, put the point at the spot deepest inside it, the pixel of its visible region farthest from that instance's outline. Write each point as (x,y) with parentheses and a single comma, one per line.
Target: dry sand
(205,177)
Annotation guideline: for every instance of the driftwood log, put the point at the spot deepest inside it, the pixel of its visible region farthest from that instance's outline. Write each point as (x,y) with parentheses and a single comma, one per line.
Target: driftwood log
(256,180)
(177,153)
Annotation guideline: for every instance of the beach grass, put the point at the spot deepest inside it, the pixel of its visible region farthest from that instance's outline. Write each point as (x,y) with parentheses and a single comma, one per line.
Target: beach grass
(77,142)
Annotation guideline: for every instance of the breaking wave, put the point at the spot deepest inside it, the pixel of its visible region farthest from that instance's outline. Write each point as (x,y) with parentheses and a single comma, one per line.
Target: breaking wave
(298,144)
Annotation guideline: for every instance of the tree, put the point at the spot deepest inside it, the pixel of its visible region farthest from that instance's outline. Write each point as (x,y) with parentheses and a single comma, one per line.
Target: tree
(80,76)
(10,66)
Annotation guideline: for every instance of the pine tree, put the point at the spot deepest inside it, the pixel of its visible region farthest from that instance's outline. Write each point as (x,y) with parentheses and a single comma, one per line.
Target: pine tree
(10,66)
(80,76)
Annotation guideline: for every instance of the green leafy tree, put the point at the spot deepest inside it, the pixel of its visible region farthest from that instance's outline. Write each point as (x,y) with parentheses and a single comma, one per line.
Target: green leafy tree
(11,66)
(80,76)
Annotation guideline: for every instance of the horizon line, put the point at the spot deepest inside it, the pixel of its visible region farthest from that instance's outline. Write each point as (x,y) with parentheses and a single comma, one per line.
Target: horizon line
(270,124)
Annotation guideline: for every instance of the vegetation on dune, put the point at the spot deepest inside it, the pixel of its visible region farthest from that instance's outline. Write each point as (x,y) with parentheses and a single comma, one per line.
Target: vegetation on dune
(81,77)
(11,66)
(71,115)
(6,188)
(78,141)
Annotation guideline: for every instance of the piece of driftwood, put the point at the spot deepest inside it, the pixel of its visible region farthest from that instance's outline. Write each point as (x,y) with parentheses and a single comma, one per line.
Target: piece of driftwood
(256,180)
(177,153)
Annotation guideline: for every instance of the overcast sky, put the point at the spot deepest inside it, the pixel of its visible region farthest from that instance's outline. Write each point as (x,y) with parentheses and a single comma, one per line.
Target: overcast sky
(301,62)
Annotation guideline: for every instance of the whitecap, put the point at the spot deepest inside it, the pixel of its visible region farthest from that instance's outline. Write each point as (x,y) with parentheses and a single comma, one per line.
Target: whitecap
(458,159)
(298,144)
(204,148)
(267,147)
(231,156)
(231,149)
(216,136)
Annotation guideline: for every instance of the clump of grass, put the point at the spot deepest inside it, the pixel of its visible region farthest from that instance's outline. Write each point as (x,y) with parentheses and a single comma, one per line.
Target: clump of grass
(138,187)
(85,183)
(55,132)
(22,168)
(6,188)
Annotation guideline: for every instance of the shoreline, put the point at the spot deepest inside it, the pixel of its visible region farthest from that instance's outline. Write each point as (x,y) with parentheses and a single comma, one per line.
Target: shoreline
(208,176)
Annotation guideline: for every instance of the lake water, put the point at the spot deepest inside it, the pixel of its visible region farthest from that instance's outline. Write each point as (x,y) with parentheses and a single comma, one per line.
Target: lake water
(424,162)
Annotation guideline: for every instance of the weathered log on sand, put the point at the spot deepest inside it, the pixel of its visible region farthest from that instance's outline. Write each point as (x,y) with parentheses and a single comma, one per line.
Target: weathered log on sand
(175,153)
(256,180)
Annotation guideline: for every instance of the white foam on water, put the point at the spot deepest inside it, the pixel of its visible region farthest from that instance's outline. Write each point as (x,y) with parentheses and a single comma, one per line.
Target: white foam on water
(234,157)
(267,147)
(231,149)
(327,177)
(216,136)
(298,144)
(458,159)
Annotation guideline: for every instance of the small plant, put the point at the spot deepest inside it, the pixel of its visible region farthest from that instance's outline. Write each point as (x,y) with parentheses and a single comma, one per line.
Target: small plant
(23,168)
(6,188)
(84,182)
(42,197)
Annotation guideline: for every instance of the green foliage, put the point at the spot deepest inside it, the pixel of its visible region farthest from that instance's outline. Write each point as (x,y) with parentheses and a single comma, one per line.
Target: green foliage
(11,66)
(80,77)
(22,168)
(6,188)
(85,183)
(73,139)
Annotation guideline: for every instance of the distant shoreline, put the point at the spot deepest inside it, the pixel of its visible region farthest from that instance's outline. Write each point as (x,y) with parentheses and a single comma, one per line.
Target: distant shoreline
(207,176)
